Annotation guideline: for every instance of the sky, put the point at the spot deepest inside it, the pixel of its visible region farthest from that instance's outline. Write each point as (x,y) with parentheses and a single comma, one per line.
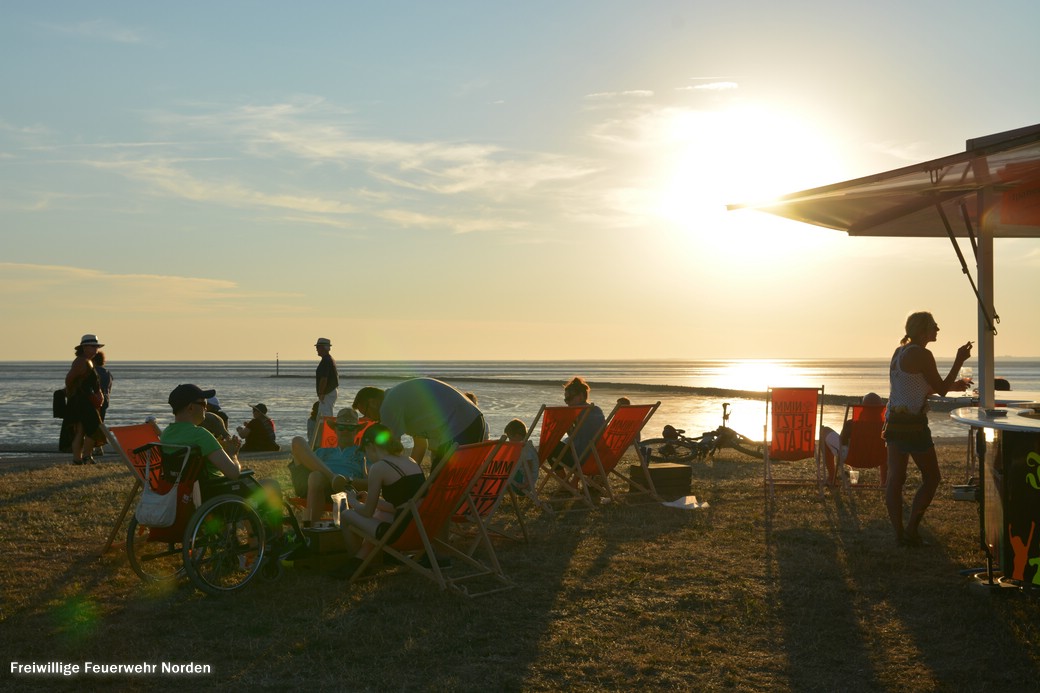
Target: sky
(489,180)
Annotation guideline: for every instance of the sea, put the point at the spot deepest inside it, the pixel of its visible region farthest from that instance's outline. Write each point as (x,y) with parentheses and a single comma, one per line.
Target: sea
(692,393)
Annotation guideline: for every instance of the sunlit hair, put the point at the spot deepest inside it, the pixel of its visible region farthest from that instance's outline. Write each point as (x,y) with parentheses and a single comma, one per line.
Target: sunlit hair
(917,323)
(577,384)
(516,428)
(382,437)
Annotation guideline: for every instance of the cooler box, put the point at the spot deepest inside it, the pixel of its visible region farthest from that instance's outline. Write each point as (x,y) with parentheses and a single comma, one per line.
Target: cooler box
(670,480)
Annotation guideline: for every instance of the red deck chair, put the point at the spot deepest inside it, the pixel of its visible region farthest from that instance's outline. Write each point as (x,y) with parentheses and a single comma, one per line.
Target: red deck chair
(126,439)
(794,415)
(489,492)
(324,433)
(427,516)
(620,432)
(866,448)
(556,422)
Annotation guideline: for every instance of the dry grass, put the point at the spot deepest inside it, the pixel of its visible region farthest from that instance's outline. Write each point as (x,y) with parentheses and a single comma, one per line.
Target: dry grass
(621,598)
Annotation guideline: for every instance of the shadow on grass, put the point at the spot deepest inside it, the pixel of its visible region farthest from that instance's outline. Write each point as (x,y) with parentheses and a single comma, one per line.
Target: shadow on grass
(854,608)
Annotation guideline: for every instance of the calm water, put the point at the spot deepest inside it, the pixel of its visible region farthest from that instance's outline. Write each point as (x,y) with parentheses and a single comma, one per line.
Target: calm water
(691,392)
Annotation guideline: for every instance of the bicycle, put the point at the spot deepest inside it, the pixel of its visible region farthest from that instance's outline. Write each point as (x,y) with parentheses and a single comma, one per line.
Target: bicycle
(673,446)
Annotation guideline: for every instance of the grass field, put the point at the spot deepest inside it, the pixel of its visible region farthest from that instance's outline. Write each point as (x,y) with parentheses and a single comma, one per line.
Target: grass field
(818,598)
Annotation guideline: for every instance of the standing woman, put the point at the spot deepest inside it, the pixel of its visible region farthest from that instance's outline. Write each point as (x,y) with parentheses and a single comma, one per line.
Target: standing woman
(913,376)
(83,392)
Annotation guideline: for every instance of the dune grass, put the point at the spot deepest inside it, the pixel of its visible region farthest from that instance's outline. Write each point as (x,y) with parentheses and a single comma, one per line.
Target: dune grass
(813,597)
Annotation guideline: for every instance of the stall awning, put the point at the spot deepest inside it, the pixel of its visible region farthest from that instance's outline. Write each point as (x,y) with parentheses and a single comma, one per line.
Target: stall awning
(902,202)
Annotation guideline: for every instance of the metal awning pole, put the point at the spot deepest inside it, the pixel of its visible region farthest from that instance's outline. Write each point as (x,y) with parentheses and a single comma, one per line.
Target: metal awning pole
(984,273)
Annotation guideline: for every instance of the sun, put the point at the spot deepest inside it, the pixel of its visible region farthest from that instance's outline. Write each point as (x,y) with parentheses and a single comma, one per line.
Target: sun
(743,153)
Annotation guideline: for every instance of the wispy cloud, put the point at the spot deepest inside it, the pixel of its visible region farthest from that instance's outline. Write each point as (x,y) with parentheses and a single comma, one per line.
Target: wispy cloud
(710,86)
(100,30)
(903,151)
(630,94)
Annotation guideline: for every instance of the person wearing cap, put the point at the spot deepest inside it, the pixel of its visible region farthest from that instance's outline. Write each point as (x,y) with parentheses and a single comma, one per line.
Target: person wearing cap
(326,377)
(258,433)
(85,399)
(332,469)
(189,409)
(433,413)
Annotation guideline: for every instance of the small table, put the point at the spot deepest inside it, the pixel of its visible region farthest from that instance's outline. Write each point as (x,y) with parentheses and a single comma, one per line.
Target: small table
(1010,501)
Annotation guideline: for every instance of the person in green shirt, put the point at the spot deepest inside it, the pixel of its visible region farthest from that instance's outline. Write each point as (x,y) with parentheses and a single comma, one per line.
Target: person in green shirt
(189,409)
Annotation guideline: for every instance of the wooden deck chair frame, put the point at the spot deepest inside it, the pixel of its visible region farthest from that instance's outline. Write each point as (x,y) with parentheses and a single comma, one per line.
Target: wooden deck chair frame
(557,421)
(795,434)
(426,515)
(124,440)
(619,432)
(867,449)
(488,493)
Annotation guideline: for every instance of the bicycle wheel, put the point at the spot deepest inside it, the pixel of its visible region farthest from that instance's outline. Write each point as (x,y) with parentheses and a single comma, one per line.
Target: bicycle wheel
(742,443)
(153,561)
(665,450)
(224,545)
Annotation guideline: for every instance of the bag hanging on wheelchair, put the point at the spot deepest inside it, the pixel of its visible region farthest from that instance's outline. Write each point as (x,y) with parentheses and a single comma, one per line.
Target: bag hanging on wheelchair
(157,509)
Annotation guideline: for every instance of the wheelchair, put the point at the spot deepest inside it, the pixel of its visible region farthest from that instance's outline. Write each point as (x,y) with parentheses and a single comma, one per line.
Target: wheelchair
(223,536)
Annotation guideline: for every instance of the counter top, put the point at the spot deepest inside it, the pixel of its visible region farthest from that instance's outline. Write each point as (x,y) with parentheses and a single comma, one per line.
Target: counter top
(1023,419)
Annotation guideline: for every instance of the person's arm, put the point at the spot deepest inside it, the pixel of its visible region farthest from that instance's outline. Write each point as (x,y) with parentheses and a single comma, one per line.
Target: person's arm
(367,507)
(922,361)
(227,464)
(323,383)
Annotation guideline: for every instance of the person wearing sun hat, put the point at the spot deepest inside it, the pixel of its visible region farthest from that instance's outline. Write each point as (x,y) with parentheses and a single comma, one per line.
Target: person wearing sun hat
(332,469)
(326,377)
(258,433)
(85,398)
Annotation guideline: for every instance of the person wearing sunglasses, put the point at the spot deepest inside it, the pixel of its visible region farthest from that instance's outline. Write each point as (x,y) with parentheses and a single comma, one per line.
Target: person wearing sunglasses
(332,469)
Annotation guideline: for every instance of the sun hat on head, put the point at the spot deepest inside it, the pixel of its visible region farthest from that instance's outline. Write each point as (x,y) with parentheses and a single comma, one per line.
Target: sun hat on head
(183,395)
(213,402)
(261,407)
(323,341)
(90,340)
(347,418)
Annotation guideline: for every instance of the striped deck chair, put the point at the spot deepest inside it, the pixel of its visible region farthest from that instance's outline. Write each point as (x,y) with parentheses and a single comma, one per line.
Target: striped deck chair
(794,417)
(428,514)
(126,439)
(556,422)
(620,432)
(490,491)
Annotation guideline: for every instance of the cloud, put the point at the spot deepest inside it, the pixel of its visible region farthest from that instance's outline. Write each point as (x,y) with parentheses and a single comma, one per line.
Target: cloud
(903,151)
(630,94)
(48,288)
(100,30)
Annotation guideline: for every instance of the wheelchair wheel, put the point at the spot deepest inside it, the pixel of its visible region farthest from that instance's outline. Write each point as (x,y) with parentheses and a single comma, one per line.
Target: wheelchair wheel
(153,561)
(224,545)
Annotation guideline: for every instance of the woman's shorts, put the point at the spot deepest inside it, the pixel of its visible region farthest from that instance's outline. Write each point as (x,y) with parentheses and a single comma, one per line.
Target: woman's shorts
(907,433)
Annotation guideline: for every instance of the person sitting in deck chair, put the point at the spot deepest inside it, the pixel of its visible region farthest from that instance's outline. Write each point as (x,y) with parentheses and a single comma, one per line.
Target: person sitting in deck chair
(839,443)
(576,394)
(332,469)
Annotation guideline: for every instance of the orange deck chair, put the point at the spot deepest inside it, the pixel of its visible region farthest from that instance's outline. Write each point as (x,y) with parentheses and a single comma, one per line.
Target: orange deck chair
(126,439)
(620,432)
(794,416)
(866,448)
(489,493)
(556,422)
(427,516)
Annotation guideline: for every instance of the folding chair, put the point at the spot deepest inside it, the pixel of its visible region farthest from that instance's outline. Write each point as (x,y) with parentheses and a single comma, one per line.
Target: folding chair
(126,439)
(620,431)
(795,415)
(866,449)
(427,515)
(489,492)
(556,422)
(325,435)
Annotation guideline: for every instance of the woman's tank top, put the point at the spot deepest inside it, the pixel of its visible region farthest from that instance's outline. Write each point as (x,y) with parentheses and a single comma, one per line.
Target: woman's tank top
(404,488)
(908,391)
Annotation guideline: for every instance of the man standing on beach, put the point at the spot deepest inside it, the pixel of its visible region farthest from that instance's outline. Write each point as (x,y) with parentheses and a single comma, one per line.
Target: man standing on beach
(326,378)
(433,413)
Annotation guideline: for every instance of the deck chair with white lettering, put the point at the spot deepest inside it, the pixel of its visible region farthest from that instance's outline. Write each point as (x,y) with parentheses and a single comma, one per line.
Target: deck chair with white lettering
(619,433)
(794,417)
(556,422)
(126,439)
(425,518)
(490,491)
